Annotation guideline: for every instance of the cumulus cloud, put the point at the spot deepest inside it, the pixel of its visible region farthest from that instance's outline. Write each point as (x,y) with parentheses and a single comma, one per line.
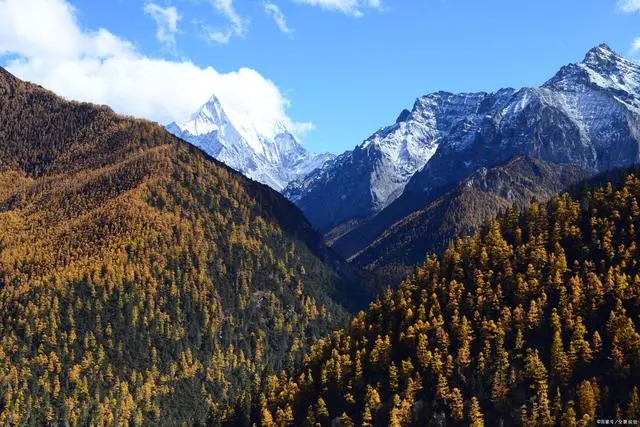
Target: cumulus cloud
(167,22)
(274,11)
(238,26)
(42,41)
(629,6)
(348,7)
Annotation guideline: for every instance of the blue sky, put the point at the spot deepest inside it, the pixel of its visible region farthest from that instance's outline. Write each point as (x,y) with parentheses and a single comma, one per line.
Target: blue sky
(346,66)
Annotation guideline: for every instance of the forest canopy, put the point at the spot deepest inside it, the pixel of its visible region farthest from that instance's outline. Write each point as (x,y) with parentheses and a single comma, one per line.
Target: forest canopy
(533,321)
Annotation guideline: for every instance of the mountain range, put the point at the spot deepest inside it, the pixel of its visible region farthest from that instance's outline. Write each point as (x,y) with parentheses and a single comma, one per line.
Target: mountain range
(269,153)
(586,116)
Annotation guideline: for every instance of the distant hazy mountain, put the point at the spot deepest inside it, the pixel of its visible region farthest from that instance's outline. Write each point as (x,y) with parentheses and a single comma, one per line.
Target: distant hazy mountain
(273,157)
(587,115)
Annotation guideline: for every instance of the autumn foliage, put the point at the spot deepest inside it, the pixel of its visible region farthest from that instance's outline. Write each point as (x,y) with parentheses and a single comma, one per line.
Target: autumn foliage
(532,321)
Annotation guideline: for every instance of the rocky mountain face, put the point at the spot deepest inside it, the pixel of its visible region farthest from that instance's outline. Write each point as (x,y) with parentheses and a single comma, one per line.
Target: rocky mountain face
(587,115)
(362,182)
(271,156)
(471,203)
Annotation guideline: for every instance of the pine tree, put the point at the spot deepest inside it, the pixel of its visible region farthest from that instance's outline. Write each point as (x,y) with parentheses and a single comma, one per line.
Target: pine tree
(476,419)
(422,351)
(557,406)
(321,409)
(633,406)
(346,421)
(310,420)
(266,419)
(559,360)
(456,405)
(586,400)
(393,378)
(395,415)
(569,417)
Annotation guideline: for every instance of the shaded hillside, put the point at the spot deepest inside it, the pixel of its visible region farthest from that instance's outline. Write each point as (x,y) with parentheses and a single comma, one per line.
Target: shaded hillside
(477,199)
(142,282)
(533,321)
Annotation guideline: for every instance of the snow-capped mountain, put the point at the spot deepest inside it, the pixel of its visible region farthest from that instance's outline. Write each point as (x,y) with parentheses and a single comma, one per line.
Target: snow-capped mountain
(587,115)
(366,180)
(270,155)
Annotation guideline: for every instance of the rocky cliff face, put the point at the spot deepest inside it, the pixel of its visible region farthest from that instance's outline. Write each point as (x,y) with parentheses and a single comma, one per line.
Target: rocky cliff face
(364,181)
(472,202)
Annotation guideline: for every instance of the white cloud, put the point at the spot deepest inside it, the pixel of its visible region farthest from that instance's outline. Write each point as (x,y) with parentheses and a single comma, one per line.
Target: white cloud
(277,15)
(216,36)
(629,6)
(348,7)
(167,21)
(45,44)
(635,46)
(238,26)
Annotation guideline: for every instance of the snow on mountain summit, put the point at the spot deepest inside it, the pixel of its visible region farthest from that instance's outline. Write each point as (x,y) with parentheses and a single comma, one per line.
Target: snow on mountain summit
(369,178)
(209,117)
(264,151)
(586,116)
(601,68)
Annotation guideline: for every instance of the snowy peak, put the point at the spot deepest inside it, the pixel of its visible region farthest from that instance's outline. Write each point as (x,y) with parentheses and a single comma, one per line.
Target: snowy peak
(586,116)
(209,118)
(212,108)
(364,181)
(601,54)
(601,68)
(606,66)
(266,152)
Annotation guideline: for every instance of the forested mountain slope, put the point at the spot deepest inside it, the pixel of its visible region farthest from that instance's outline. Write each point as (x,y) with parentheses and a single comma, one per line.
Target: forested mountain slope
(142,282)
(534,321)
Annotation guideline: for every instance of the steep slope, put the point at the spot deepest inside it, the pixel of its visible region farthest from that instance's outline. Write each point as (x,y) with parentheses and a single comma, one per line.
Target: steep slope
(475,200)
(362,182)
(270,155)
(588,115)
(533,321)
(141,281)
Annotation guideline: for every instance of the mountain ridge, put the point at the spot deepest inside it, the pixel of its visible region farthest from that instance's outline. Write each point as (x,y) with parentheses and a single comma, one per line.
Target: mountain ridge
(477,199)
